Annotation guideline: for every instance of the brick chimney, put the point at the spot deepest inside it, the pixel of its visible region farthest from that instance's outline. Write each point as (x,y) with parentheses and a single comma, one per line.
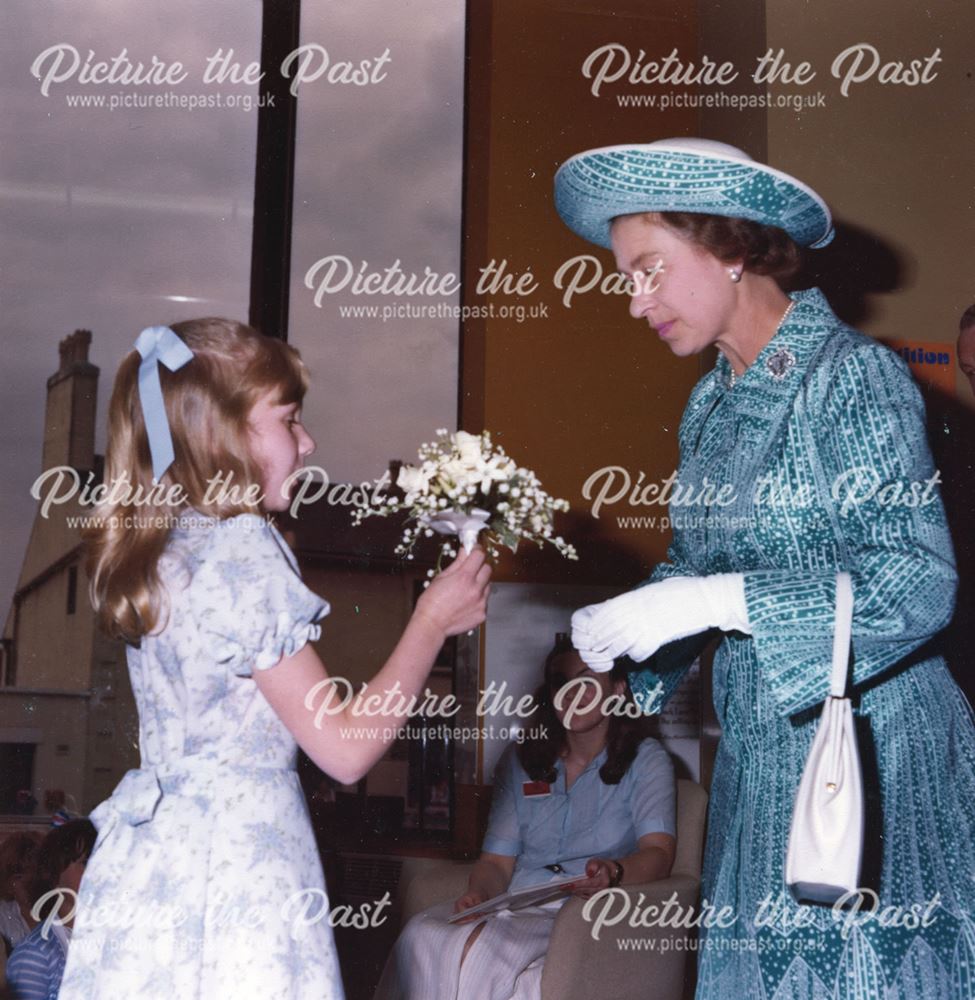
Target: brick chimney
(69,419)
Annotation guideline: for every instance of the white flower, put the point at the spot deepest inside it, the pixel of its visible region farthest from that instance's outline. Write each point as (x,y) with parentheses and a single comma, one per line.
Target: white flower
(411,479)
(455,471)
(496,470)
(468,446)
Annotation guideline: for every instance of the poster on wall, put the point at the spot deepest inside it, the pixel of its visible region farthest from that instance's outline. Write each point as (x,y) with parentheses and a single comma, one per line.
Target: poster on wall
(669,305)
(931,363)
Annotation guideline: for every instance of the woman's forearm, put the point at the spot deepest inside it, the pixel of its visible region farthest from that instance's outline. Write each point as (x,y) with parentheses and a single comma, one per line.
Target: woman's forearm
(646,865)
(487,879)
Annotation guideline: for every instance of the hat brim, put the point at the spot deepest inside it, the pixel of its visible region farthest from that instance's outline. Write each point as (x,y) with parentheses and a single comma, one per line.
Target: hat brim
(597,186)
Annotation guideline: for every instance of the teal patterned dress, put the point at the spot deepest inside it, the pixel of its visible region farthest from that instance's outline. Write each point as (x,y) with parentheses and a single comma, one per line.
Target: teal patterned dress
(826,429)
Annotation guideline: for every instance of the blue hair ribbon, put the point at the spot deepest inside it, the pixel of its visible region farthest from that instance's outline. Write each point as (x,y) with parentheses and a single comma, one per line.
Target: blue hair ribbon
(158,345)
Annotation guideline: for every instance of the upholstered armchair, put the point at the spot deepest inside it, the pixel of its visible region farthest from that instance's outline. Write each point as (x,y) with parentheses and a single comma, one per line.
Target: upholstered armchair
(626,962)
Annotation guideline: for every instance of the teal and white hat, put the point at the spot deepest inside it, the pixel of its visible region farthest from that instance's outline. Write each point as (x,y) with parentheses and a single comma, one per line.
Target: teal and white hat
(684,175)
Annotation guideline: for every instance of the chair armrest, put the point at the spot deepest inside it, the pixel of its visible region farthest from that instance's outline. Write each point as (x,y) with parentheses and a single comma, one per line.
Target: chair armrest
(437,885)
(578,966)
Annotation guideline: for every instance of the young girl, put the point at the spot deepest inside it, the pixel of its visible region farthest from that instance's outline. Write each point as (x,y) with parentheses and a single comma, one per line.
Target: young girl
(205,879)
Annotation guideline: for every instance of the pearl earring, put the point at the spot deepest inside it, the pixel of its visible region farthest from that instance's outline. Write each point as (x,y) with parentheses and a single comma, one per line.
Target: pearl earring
(734,275)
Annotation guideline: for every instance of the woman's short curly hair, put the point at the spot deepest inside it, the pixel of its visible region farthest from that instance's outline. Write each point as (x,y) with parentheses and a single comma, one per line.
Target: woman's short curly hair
(763,249)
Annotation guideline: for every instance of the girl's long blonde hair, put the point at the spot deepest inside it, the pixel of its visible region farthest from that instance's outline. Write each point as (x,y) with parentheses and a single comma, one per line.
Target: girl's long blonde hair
(208,402)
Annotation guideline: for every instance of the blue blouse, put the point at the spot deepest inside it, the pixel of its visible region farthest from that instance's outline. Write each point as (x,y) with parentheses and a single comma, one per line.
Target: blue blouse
(542,825)
(36,966)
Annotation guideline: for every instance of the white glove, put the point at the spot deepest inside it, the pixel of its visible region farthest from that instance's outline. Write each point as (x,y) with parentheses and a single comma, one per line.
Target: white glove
(638,623)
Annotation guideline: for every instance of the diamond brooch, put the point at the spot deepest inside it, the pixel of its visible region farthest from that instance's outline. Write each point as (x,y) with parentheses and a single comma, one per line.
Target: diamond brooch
(780,363)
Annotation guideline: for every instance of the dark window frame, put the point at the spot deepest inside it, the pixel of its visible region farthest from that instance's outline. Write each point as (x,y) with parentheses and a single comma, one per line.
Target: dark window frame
(274,173)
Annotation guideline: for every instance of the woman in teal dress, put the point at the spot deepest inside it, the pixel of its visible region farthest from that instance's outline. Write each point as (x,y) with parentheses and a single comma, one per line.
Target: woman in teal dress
(802,453)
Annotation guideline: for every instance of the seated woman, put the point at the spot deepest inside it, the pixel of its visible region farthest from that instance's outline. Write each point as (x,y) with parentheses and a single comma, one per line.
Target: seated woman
(37,964)
(587,794)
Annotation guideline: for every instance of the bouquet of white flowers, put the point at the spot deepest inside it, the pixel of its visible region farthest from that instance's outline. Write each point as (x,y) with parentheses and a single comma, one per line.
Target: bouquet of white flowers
(464,485)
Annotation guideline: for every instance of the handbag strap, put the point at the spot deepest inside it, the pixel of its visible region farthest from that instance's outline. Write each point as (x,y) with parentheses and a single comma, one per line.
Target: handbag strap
(842,634)
(831,354)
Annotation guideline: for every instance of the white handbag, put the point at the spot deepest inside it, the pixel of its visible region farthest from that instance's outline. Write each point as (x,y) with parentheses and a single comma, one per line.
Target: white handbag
(826,838)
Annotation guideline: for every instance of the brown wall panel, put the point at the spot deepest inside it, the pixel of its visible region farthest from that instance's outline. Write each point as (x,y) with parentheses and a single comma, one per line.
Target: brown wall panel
(584,387)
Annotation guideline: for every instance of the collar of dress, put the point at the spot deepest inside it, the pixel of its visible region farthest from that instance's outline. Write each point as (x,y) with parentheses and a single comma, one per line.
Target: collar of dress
(596,763)
(781,363)
(196,525)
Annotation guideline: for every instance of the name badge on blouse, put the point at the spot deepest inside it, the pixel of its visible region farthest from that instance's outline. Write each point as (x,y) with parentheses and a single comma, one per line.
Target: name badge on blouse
(536,789)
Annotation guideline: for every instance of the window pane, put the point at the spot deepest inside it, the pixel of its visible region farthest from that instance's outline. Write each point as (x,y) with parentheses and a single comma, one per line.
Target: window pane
(114,218)
(378,181)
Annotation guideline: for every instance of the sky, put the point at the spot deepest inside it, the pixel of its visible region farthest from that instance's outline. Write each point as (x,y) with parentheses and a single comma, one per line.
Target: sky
(116,219)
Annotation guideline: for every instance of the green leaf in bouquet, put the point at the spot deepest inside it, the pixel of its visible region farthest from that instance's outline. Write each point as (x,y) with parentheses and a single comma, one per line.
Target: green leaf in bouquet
(507,537)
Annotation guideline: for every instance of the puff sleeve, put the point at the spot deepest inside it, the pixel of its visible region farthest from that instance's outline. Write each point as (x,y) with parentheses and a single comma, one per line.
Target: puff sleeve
(251,605)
